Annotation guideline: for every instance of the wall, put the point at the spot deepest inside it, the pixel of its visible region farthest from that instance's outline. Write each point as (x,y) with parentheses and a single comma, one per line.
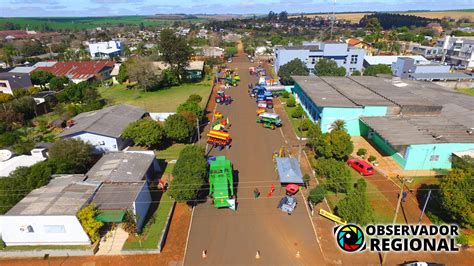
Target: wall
(350,115)
(110,144)
(420,156)
(455,84)
(141,205)
(283,56)
(387,149)
(5,87)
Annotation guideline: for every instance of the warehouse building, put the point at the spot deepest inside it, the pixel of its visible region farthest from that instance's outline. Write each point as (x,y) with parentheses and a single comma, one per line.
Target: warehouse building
(419,124)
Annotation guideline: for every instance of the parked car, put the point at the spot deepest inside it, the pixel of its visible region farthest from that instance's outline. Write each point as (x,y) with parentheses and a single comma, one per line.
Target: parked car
(364,168)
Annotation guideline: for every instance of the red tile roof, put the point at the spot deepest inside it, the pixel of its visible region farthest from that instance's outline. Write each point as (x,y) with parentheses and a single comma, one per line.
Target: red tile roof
(353,42)
(78,70)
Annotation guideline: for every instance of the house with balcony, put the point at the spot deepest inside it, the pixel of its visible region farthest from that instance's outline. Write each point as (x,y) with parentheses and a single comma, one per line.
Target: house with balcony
(458,51)
(351,58)
(101,50)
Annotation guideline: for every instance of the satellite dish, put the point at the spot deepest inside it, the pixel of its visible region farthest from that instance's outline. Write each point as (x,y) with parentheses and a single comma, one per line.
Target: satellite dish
(5,155)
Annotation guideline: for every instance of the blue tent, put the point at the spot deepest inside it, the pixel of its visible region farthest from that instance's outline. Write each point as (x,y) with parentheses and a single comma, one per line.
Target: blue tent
(289,170)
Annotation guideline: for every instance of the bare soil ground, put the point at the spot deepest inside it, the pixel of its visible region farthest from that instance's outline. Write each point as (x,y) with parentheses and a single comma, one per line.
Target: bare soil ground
(355,17)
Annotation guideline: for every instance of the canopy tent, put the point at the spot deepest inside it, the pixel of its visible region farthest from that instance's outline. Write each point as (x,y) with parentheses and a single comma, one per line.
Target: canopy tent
(289,170)
(110,216)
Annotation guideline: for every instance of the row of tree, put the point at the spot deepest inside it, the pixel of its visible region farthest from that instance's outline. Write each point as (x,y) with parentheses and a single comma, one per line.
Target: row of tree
(331,150)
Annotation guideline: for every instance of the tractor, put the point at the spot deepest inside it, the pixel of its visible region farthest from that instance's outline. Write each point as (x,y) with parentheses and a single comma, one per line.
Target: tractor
(221,182)
(223,98)
(269,120)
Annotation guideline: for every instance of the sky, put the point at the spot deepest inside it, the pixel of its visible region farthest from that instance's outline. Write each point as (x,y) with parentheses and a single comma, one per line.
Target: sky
(53,8)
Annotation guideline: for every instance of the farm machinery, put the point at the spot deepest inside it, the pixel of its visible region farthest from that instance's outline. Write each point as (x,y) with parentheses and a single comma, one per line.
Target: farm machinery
(223,98)
(269,120)
(219,139)
(221,182)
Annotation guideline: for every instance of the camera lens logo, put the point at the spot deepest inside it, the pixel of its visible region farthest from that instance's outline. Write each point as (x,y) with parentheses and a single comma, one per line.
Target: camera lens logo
(350,238)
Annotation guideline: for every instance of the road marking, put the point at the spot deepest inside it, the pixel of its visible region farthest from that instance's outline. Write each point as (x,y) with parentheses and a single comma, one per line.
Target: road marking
(187,238)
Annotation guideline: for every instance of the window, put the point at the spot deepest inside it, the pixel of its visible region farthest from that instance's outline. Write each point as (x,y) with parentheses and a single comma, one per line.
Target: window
(434,158)
(54,229)
(354,59)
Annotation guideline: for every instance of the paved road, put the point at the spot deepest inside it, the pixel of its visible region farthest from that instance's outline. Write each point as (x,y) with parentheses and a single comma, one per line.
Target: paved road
(233,238)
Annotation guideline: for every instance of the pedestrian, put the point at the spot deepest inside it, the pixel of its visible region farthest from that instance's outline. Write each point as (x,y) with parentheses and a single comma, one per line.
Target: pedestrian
(404,196)
(256,193)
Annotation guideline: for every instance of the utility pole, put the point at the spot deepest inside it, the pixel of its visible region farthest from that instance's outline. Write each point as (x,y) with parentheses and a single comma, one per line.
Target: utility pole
(333,18)
(424,206)
(396,213)
(198,131)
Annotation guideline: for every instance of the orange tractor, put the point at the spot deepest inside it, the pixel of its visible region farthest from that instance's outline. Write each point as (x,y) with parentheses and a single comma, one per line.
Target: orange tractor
(219,139)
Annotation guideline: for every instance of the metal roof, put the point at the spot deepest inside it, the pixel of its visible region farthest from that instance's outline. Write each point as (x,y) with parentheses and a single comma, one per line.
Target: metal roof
(441,76)
(390,59)
(117,196)
(356,92)
(63,195)
(300,47)
(289,170)
(321,93)
(110,121)
(398,130)
(121,167)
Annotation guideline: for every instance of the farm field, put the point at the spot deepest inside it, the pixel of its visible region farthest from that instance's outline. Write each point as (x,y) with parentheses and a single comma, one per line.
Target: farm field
(163,100)
(355,17)
(72,23)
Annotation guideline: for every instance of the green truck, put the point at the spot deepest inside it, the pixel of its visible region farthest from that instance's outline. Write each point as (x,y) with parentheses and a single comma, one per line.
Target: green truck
(221,182)
(269,120)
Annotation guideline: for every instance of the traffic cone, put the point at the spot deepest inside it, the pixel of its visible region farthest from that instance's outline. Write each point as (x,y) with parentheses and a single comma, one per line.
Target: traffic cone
(257,256)
(298,254)
(204,254)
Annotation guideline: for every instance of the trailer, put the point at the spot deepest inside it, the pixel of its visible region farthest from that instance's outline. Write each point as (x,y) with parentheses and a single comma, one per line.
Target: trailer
(221,182)
(219,139)
(269,120)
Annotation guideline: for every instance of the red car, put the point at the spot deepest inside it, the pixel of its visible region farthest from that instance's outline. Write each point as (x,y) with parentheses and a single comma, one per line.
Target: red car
(363,167)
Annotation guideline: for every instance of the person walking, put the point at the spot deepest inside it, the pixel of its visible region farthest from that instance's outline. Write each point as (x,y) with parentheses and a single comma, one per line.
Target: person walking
(404,196)
(256,193)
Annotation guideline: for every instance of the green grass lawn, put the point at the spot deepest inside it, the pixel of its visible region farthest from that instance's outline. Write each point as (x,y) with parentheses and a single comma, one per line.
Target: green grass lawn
(164,100)
(152,232)
(20,248)
(172,152)
(294,121)
(468,91)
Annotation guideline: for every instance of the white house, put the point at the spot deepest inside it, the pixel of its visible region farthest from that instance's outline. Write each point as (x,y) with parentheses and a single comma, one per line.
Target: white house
(14,81)
(108,49)
(47,216)
(13,162)
(103,128)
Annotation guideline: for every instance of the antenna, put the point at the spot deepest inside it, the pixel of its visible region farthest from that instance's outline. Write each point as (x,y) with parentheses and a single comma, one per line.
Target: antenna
(333,18)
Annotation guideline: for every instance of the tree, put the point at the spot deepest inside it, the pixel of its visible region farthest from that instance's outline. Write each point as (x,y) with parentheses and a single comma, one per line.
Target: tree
(71,156)
(57,83)
(305,124)
(41,77)
(25,105)
(373,70)
(230,51)
(337,174)
(339,124)
(11,119)
(122,75)
(328,67)
(144,73)
(297,112)
(317,194)
(87,218)
(176,51)
(178,128)
(456,195)
(356,73)
(295,67)
(145,132)
(192,107)
(189,174)
(4,97)
(355,207)
(341,144)
(291,101)
(195,98)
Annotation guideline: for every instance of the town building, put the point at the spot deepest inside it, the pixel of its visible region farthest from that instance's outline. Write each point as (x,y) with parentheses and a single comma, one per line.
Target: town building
(428,52)
(78,71)
(195,69)
(47,215)
(356,43)
(105,50)
(401,117)
(9,82)
(458,51)
(103,128)
(390,59)
(310,52)
(9,162)
(406,67)
(209,51)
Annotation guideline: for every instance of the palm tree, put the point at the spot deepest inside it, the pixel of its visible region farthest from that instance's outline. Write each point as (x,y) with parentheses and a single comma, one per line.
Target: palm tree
(339,124)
